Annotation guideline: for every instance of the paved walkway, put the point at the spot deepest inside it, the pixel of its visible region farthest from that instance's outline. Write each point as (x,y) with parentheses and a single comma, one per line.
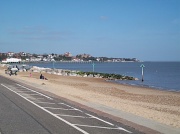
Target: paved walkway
(120,114)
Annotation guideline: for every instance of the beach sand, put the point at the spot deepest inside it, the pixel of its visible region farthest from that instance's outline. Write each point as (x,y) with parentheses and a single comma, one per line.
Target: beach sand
(160,106)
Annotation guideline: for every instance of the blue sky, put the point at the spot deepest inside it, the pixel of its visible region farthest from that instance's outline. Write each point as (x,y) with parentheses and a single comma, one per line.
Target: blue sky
(145,29)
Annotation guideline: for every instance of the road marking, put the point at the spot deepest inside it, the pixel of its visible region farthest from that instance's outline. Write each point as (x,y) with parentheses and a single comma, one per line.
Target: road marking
(57,108)
(67,105)
(73,116)
(35,92)
(71,107)
(100,119)
(45,102)
(95,126)
(118,128)
(56,116)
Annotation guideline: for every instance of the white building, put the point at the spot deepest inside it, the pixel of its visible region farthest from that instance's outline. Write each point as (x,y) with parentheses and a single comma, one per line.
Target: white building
(10,54)
(11,60)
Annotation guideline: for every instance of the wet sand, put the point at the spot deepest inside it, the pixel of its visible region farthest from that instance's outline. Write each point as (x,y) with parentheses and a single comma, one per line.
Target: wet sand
(160,106)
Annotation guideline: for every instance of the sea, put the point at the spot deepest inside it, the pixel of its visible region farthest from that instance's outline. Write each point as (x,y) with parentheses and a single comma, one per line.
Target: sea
(157,75)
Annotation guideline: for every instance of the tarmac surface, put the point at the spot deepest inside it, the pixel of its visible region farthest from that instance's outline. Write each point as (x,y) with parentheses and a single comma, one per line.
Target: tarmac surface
(29,109)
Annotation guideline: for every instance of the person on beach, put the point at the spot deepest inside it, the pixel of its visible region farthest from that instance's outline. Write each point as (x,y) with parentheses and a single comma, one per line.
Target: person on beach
(42,77)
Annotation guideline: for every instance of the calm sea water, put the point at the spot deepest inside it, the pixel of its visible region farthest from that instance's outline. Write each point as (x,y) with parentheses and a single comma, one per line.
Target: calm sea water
(159,75)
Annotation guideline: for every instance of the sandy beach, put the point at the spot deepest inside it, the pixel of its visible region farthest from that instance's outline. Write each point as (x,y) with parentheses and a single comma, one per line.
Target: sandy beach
(160,106)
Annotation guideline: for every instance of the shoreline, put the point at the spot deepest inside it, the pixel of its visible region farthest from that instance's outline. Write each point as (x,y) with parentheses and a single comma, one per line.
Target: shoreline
(157,105)
(52,71)
(55,70)
(68,72)
(149,87)
(153,78)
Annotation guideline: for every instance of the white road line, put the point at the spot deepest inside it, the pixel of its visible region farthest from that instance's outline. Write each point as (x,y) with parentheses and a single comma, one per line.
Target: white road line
(97,118)
(56,116)
(66,105)
(91,116)
(44,102)
(57,108)
(72,116)
(35,92)
(95,126)
(107,122)
(71,107)
(118,128)
(100,119)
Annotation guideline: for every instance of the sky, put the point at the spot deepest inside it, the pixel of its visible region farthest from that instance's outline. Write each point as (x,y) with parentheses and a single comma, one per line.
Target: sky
(148,30)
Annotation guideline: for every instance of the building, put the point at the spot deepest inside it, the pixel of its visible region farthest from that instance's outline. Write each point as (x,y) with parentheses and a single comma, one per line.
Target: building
(10,54)
(68,54)
(11,60)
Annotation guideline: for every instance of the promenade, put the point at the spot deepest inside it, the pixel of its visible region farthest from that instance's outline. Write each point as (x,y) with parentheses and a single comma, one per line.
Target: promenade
(155,109)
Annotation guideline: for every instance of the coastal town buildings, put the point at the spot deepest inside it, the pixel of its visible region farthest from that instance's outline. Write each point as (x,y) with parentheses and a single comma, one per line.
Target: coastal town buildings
(10,54)
(27,57)
(11,60)
(68,54)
